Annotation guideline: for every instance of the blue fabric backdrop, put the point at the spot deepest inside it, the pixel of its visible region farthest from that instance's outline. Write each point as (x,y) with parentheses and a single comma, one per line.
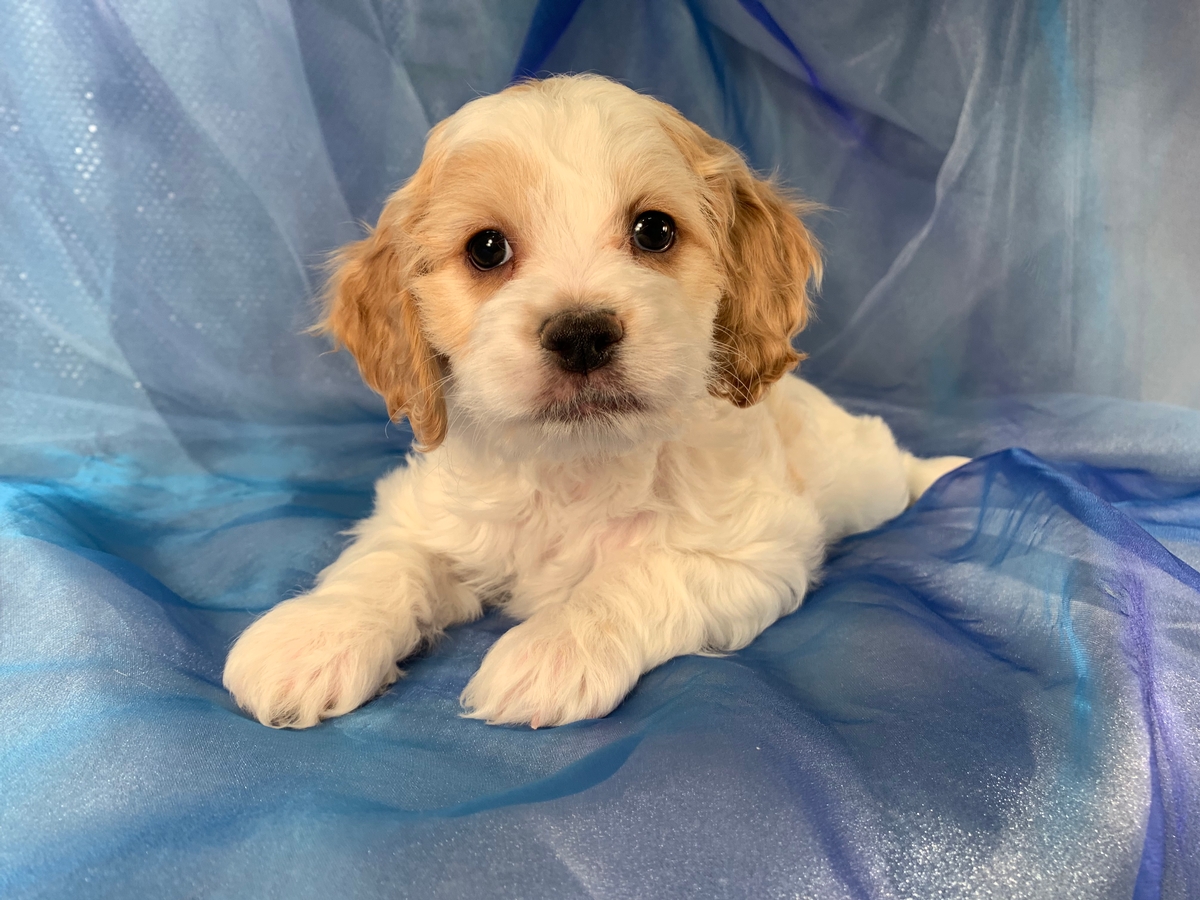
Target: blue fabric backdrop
(997,695)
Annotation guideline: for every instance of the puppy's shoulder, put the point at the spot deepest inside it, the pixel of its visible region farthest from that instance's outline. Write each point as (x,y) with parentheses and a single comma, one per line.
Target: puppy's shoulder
(731,438)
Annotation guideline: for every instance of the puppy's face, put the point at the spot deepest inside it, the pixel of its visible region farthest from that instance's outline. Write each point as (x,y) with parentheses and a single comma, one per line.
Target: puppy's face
(570,267)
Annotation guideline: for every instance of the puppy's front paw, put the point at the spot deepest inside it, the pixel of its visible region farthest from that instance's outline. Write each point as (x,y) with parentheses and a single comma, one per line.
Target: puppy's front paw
(543,672)
(309,659)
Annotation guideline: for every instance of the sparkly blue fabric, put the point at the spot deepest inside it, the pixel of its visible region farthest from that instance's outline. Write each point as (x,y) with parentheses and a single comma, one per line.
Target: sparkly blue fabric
(996,695)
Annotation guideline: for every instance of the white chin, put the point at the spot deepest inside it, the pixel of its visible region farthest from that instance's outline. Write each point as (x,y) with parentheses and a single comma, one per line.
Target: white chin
(563,436)
(596,432)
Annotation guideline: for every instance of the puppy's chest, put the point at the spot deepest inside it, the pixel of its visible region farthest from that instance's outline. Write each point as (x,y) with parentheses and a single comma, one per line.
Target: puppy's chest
(548,542)
(535,541)
(552,536)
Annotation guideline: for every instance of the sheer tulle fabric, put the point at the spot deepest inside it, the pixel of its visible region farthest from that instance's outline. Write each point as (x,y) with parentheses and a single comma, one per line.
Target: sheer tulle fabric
(997,695)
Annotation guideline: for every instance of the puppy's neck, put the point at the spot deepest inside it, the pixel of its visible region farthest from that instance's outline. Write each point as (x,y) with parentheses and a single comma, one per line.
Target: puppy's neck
(555,472)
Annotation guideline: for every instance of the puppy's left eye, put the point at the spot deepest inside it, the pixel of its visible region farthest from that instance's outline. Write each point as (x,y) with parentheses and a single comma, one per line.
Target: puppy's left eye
(488,249)
(653,231)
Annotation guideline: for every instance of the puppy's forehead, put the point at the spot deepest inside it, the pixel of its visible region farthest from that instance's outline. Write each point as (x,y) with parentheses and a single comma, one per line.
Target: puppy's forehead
(592,129)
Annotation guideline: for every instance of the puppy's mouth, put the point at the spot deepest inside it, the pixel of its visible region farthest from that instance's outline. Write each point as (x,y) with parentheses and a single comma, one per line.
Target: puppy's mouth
(588,402)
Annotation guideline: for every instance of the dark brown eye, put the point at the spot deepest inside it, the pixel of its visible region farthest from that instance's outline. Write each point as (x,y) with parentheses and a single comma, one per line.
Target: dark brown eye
(488,249)
(653,231)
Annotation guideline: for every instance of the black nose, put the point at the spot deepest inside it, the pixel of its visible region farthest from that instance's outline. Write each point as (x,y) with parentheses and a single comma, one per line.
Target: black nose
(581,339)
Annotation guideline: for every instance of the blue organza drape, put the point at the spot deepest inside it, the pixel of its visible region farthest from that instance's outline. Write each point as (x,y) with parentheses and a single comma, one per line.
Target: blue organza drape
(997,695)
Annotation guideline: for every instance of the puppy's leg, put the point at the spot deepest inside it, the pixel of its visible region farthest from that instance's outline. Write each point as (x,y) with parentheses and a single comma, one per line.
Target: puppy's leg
(850,465)
(922,473)
(577,659)
(327,652)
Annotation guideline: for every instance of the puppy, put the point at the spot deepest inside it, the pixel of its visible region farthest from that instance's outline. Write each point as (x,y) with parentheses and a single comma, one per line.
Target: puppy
(584,304)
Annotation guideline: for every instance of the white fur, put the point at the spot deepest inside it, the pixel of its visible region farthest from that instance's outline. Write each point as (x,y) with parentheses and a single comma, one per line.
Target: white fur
(689,526)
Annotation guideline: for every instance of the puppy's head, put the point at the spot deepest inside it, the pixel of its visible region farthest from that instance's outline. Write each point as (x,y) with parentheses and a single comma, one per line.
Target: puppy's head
(571,266)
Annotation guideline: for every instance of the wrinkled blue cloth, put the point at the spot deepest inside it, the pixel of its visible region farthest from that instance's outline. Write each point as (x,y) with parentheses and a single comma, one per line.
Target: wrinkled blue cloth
(995,695)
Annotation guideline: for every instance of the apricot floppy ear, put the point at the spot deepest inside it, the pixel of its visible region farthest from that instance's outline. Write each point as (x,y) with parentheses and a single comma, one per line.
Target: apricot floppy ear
(768,258)
(371,311)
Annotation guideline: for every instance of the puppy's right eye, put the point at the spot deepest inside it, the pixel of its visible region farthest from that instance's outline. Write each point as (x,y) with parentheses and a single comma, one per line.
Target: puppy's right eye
(488,249)
(653,231)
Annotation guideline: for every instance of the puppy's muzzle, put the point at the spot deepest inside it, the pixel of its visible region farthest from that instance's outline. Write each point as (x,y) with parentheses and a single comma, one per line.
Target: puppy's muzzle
(581,340)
